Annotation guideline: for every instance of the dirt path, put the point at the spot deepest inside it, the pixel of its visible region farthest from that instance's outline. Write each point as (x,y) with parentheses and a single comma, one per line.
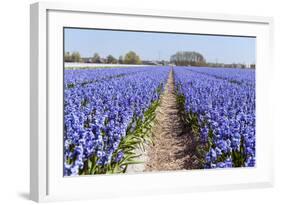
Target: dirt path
(173,147)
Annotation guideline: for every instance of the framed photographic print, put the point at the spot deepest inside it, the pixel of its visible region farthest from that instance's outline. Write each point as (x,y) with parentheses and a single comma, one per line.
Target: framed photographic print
(127,102)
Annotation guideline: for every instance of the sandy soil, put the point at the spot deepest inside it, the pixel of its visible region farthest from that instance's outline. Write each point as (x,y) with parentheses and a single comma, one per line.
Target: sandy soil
(174,147)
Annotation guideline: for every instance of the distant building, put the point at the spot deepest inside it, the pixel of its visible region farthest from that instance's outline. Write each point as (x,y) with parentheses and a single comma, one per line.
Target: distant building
(87,60)
(148,62)
(155,62)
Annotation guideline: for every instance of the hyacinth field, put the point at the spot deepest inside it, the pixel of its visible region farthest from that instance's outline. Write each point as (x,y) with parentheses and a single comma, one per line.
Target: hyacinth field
(110,115)
(220,107)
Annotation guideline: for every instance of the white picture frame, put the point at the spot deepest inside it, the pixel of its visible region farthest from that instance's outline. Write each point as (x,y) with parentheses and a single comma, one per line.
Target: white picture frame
(46,180)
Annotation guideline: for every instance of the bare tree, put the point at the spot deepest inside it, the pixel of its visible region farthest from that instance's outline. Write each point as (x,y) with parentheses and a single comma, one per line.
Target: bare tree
(188,58)
(96,58)
(120,60)
(111,59)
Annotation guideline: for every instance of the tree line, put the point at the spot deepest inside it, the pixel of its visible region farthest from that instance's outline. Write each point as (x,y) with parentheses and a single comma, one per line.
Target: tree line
(180,58)
(192,58)
(129,58)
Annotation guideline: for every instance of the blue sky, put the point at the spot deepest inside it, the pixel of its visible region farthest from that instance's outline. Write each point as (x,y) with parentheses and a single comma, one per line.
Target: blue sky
(155,46)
